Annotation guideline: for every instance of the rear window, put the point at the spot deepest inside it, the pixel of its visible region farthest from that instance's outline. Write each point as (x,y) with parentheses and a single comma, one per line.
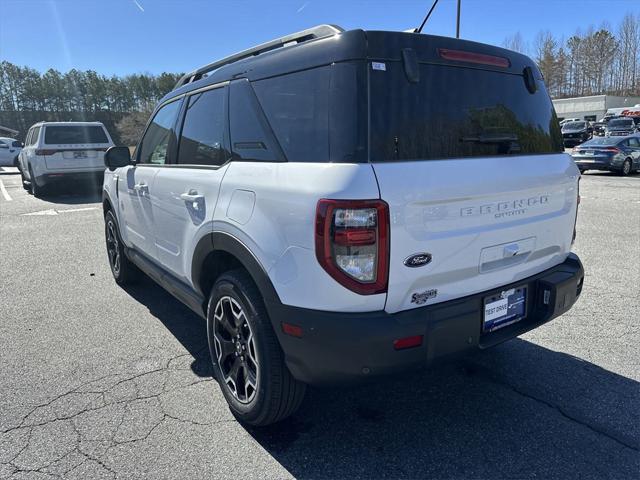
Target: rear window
(574,126)
(600,141)
(454,112)
(70,134)
(621,122)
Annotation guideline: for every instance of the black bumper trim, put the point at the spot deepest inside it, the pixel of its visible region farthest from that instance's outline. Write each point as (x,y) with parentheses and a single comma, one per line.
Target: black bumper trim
(342,347)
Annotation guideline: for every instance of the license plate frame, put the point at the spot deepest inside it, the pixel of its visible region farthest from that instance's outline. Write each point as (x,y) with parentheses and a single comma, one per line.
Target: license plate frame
(504,308)
(80,154)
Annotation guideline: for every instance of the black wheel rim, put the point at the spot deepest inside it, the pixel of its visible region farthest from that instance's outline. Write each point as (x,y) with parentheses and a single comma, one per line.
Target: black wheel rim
(235,348)
(626,167)
(113,247)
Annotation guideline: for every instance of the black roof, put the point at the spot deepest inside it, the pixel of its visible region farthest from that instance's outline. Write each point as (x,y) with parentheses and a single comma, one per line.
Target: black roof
(344,46)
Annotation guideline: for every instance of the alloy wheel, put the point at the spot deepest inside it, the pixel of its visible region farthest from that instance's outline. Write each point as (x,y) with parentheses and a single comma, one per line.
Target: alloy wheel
(235,348)
(113,247)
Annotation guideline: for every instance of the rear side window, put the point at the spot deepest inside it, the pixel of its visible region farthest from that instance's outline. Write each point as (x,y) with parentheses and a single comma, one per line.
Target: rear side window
(34,136)
(251,136)
(202,140)
(455,112)
(296,106)
(74,134)
(154,146)
(634,142)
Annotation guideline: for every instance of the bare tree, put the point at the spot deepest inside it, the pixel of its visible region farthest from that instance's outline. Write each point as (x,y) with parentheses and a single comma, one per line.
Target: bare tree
(516,42)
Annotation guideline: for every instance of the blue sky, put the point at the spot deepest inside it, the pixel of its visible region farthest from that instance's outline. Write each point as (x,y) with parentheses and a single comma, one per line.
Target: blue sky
(131,36)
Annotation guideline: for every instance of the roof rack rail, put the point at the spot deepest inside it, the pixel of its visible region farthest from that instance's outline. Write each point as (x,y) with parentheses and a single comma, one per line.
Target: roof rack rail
(319,31)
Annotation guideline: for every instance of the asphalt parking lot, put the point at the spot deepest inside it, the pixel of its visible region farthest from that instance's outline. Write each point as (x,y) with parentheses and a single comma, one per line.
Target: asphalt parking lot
(101,382)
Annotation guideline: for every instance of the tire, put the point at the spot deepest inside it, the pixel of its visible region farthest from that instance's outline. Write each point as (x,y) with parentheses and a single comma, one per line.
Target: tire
(123,270)
(626,168)
(26,185)
(16,163)
(247,350)
(35,190)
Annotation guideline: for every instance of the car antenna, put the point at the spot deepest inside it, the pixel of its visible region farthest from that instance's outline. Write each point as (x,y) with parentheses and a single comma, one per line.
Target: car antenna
(419,29)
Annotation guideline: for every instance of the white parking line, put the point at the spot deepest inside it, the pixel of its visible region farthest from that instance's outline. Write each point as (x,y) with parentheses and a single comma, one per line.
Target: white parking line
(51,211)
(77,209)
(5,194)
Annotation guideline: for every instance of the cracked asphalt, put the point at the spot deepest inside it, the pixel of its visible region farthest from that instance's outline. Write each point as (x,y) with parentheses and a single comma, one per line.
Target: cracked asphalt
(101,382)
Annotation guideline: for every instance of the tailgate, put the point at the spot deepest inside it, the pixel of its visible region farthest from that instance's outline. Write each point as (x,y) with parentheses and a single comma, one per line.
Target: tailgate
(486,222)
(81,157)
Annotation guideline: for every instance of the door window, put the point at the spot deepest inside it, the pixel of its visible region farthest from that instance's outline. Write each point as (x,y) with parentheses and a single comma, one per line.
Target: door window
(202,138)
(156,141)
(634,142)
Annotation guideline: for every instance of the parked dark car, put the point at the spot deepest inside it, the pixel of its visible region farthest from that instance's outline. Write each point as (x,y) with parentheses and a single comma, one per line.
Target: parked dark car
(616,154)
(622,126)
(599,128)
(574,133)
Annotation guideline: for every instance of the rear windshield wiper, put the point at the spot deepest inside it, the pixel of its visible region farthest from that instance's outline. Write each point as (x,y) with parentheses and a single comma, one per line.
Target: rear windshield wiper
(507,142)
(507,137)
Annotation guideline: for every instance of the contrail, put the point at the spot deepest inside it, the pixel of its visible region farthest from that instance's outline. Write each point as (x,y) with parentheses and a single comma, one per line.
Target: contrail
(138,5)
(304,5)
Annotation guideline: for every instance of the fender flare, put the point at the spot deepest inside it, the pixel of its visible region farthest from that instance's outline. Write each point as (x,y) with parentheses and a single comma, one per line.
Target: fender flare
(225,242)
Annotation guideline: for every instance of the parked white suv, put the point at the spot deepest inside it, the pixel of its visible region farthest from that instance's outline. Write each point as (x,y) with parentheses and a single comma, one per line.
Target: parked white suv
(63,153)
(340,205)
(9,150)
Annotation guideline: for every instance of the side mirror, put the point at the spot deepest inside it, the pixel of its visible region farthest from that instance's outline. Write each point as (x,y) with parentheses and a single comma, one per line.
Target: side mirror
(116,157)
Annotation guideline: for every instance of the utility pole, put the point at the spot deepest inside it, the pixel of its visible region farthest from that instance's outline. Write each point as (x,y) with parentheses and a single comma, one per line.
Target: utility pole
(458,21)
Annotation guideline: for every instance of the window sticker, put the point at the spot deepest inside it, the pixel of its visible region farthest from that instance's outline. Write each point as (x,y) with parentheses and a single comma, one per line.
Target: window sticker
(379,66)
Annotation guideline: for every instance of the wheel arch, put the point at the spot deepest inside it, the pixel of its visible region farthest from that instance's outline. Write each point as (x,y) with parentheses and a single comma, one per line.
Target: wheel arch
(218,252)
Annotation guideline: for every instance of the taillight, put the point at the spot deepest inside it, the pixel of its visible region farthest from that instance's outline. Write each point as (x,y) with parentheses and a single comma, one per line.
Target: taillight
(471,57)
(46,152)
(612,149)
(352,243)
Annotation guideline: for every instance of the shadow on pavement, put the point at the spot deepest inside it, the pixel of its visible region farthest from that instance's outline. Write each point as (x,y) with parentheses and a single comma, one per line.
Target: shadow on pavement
(516,411)
(74,195)
(188,328)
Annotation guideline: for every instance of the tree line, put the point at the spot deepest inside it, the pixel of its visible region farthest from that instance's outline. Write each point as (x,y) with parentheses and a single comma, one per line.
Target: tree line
(28,96)
(595,61)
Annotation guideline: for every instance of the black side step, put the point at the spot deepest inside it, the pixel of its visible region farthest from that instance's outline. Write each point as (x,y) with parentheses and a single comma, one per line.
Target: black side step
(171,284)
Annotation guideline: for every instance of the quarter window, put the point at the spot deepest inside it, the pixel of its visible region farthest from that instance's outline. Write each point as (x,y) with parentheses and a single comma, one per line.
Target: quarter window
(203,131)
(34,136)
(250,135)
(296,106)
(155,143)
(633,142)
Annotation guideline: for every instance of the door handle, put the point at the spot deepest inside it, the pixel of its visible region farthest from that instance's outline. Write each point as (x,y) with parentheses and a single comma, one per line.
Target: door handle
(192,196)
(141,187)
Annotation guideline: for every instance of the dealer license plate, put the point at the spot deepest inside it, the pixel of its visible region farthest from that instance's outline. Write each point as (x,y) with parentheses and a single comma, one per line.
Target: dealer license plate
(504,308)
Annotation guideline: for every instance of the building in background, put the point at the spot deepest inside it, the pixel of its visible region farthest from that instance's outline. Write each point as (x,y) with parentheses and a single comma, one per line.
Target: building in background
(591,108)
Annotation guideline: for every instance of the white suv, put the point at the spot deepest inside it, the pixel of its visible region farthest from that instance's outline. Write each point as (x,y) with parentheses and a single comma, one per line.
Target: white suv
(345,204)
(9,150)
(63,152)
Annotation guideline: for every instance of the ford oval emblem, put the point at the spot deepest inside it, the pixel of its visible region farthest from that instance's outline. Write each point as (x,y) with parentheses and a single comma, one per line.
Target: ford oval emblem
(418,260)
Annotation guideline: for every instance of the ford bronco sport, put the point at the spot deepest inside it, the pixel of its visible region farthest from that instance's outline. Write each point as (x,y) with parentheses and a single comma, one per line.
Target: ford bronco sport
(345,204)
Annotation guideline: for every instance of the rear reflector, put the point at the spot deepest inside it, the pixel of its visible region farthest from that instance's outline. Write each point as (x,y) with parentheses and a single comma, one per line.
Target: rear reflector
(293,330)
(471,57)
(407,342)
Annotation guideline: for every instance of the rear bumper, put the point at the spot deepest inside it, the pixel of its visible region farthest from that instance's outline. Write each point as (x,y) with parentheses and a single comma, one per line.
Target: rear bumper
(595,165)
(51,178)
(343,347)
